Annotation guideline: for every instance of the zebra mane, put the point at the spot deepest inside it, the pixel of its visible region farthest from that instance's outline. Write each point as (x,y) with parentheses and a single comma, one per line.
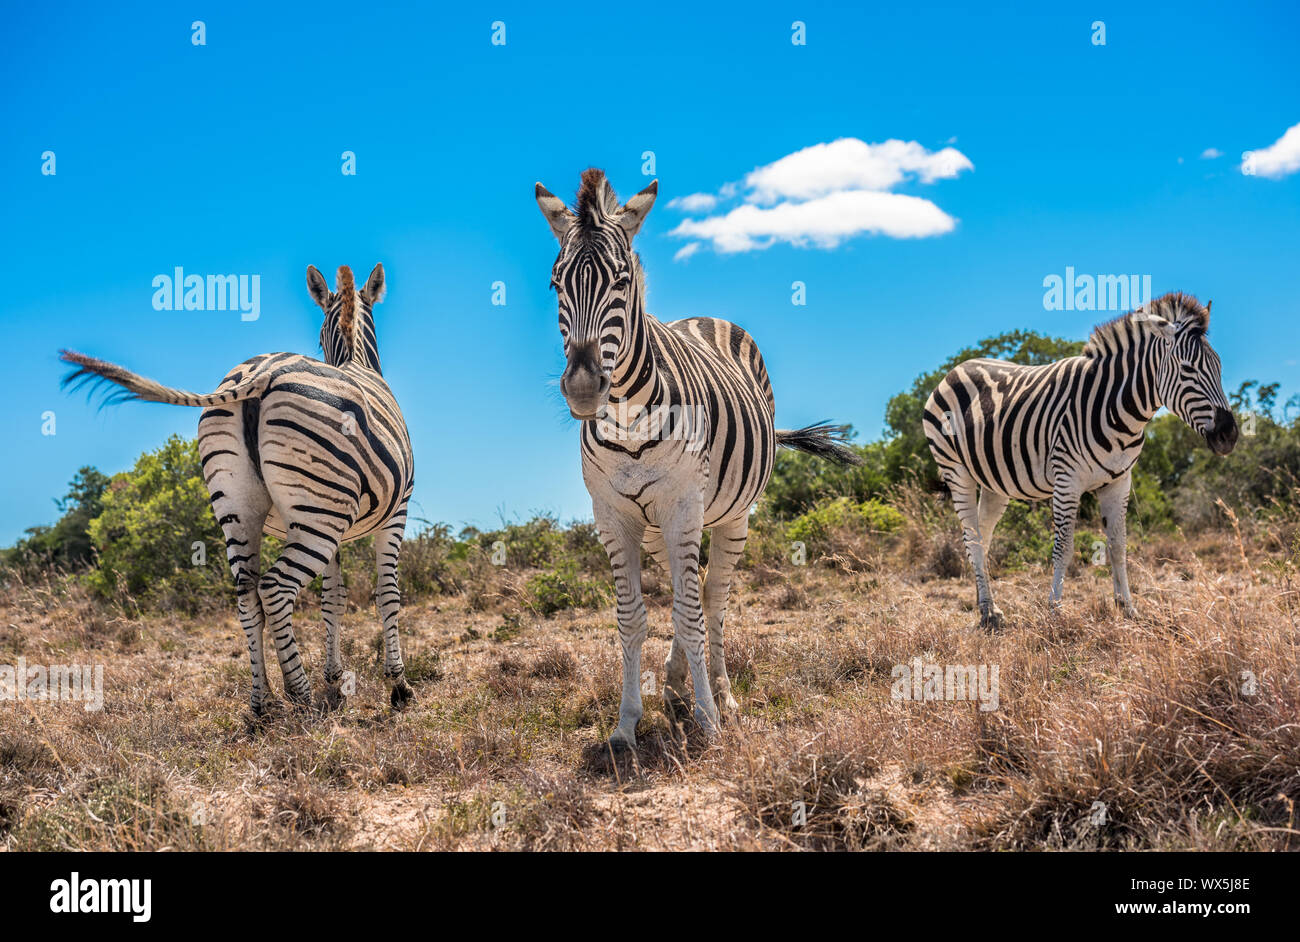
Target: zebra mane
(346,289)
(1175,307)
(597,202)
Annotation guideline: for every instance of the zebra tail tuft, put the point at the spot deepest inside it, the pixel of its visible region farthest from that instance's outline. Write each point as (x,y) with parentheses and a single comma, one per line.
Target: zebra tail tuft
(119,384)
(823,440)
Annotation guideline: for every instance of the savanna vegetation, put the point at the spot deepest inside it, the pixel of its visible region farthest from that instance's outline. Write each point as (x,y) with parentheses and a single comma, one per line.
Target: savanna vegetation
(1184,725)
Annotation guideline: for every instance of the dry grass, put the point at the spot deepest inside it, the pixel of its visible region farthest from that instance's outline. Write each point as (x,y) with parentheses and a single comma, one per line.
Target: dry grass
(504,747)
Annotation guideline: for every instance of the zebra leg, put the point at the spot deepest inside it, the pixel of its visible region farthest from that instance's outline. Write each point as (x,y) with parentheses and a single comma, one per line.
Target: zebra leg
(961,484)
(1065,508)
(992,506)
(305,556)
(1113,499)
(682,536)
(622,540)
(243,551)
(676,695)
(726,546)
(388,548)
(333,604)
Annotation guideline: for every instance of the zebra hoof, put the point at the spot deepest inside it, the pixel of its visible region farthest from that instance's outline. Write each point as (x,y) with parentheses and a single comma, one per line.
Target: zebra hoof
(401,696)
(621,742)
(991,620)
(676,706)
(333,698)
(727,705)
(300,699)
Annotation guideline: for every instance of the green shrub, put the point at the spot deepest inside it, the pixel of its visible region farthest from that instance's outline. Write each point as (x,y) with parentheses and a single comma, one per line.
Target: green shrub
(152,517)
(819,525)
(565,587)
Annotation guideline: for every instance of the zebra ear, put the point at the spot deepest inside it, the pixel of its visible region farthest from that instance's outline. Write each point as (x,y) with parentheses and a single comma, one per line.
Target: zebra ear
(319,288)
(557,214)
(374,290)
(633,214)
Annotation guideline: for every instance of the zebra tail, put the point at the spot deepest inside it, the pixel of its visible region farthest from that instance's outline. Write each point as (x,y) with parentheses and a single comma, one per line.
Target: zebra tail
(823,440)
(100,374)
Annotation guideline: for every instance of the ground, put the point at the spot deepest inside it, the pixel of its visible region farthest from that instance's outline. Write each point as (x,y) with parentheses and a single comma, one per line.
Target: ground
(1177,730)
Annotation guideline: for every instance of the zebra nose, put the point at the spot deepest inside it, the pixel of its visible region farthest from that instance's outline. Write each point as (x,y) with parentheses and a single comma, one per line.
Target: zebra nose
(1223,437)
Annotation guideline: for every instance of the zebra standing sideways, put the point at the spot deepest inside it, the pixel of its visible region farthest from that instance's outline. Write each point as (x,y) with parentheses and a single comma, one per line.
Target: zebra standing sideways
(677,436)
(314,453)
(1077,425)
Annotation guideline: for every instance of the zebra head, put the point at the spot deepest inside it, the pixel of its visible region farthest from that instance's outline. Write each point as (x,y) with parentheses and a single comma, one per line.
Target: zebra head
(348,333)
(598,282)
(1189,381)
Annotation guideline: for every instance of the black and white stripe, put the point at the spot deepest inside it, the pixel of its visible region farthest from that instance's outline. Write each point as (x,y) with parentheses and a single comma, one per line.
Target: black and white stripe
(314,453)
(677,436)
(1065,429)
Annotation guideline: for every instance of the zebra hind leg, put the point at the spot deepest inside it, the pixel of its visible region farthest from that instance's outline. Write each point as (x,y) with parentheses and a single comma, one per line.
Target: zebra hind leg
(333,604)
(962,486)
(243,533)
(388,549)
(991,508)
(307,553)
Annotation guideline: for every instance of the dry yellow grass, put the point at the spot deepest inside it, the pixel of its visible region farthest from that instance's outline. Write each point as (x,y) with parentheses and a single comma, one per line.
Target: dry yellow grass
(504,746)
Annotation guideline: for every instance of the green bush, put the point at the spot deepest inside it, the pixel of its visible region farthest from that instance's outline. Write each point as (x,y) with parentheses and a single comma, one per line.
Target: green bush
(152,517)
(818,528)
(565,587)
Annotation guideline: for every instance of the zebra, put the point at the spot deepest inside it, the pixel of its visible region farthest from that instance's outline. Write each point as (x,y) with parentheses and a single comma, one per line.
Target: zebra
(677,436)
(314,453)
(1067,428)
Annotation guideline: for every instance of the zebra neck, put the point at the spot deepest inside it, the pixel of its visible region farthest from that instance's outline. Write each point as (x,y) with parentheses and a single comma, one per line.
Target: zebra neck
(1134,389)
(361,352)
(635,379)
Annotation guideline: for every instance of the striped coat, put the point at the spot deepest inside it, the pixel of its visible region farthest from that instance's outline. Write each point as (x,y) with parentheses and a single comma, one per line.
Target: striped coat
(1064,429)
(677,436)
(316,453)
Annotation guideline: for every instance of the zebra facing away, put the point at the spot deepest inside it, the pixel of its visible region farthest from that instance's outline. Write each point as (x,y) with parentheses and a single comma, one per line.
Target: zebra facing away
(677,435)
(314,453)
(1064,429)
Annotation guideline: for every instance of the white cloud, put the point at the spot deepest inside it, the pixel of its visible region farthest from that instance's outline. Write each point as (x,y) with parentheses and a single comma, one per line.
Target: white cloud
(824,222)
(694,203)
(822,195)
(1279,159)
(851,164)
(1211,153)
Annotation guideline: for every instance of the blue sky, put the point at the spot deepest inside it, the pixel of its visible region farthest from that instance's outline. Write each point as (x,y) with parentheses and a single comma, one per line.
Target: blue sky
(225,158)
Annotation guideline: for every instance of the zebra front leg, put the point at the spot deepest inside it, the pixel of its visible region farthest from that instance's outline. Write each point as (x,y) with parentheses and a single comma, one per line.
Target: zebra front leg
(333,604)
(962,487)
(388,549)
(1113,499)
(1065,508)
(676,694)
(682,537)
(622,541)
(726,546)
